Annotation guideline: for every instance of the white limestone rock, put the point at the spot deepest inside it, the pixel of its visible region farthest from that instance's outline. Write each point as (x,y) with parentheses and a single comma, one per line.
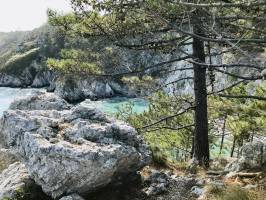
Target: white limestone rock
(77,150)
(14,181)
(43,79)
(252,155)
(75,89)
(10,81)
(40,101)
(7,158)
(72,197)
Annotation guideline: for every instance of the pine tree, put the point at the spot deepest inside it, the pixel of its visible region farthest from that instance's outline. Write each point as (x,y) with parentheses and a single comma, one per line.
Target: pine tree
(237,27)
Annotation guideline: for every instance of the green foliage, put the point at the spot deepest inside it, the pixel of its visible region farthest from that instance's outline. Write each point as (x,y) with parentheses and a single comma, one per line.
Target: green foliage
(17,63)
(166,142)
(76,61)
(19,49)
(249,114)
(143,24)
(9,43)
(244,117)
(141,84)
(63,20)
(19,194)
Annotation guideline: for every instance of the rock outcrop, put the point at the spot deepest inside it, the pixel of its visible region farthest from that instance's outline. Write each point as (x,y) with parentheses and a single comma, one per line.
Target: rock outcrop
(76,88)
(38,80)
(40,101)
(252,156)
(72,197)
(71,151)
(6,158)
(43,79)
(166,185)
(157,183)
(72,89)
(10,81)
(14,181)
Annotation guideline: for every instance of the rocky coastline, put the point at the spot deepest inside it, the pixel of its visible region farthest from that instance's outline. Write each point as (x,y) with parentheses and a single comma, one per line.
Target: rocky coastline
(72,88)
(54,150)
(67,149)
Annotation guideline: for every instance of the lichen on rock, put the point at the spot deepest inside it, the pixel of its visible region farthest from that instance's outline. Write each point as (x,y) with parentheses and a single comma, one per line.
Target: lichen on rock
(71,150)
(252,156)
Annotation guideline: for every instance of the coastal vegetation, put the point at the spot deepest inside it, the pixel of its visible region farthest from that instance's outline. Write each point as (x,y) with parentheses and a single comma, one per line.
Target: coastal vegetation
(225,29)
(197,68)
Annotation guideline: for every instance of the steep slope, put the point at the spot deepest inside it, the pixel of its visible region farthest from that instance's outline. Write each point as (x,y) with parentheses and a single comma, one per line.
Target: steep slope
(23,56)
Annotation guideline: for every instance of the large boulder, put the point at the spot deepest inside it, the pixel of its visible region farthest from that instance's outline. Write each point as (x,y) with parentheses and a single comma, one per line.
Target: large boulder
(76,150)
(252,156)
(40,101)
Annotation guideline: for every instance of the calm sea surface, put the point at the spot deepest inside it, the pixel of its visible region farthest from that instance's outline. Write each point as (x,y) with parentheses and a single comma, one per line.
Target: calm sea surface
(110,106)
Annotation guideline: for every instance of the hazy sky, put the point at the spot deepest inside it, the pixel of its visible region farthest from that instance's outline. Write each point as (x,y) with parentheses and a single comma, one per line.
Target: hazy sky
(27,14)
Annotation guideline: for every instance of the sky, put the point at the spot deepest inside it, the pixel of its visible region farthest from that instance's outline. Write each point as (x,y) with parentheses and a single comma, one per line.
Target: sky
(27,14)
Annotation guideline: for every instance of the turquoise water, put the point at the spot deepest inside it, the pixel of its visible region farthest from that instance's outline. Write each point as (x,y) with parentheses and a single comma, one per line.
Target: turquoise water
(110,106)
(116,104)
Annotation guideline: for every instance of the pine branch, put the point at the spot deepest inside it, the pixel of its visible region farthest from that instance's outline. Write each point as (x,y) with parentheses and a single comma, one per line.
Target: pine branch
(227,65)
(168,117)
(253,78)
(227,88)
(170,128)
(222,4)
(243,97)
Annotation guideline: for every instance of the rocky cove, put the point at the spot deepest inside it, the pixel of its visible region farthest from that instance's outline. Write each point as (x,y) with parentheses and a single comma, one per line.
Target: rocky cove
(108,105)
(73,89)
(54,150)
(61,136)
(61,144)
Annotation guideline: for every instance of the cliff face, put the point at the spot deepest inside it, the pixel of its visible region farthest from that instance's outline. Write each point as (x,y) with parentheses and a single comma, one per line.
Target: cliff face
(23,57)
(24,65)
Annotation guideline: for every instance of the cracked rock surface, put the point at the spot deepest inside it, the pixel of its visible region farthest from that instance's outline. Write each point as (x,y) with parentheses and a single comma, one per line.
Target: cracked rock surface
(252,156)
(14,180)
(74,150)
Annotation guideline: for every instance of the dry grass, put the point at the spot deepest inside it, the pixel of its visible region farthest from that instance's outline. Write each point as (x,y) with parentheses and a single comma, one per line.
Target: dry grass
(234,192)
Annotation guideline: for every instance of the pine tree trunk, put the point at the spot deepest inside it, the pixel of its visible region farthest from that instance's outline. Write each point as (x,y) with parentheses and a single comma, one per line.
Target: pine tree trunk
(201,141)
(233,147)
(223,133)
(192,147)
